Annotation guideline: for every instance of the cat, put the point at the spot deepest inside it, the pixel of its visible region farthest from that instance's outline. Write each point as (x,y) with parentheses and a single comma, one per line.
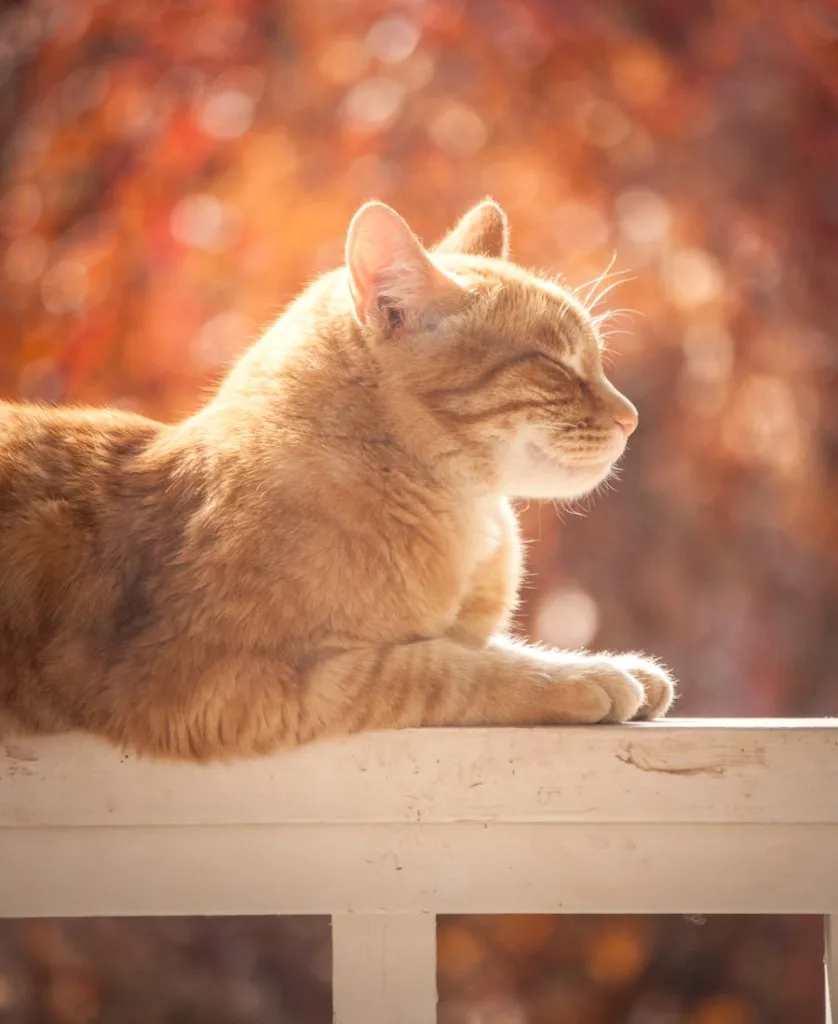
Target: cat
(328,545)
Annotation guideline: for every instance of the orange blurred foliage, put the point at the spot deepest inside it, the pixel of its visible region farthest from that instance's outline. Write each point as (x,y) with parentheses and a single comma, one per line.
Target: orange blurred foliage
(173,171)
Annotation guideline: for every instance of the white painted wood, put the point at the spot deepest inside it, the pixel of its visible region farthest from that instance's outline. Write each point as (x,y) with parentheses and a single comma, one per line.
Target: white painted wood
(384,968)
(671,771)
(831,962)
(386,830)
(414,869)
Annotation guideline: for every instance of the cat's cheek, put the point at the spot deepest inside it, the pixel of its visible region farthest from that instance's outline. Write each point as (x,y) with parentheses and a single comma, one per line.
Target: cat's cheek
(527,471)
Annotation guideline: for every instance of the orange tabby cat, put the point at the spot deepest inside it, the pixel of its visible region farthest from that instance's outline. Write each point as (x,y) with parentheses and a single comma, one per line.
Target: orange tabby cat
(328,545)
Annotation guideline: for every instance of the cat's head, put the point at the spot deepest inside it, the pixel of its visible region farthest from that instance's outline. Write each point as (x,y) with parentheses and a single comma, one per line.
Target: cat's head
(506,363)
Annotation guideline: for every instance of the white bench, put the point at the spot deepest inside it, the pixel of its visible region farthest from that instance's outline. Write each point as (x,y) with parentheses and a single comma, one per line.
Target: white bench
(384,831)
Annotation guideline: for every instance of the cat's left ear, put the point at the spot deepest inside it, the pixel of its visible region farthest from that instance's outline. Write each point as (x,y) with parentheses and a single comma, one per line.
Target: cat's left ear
(392,279)
(484,231)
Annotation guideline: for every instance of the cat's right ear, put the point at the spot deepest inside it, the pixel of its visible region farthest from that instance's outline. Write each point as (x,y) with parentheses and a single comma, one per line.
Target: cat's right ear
(390,274)
(484,231)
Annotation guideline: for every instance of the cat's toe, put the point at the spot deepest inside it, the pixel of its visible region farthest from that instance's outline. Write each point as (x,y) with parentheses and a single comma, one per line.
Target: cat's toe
(619,694)
(658,685)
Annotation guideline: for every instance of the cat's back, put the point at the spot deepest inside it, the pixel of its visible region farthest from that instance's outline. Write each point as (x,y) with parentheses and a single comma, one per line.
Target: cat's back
(64,454)
(63,478)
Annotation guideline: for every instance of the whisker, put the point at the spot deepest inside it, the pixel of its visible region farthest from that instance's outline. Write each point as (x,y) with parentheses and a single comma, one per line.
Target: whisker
(593,281)
(612,314)
(593,300)
(616,277)
(597,281)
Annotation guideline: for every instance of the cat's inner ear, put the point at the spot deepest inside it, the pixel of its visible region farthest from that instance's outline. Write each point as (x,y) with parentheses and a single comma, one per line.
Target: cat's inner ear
(391,277)
(484,231)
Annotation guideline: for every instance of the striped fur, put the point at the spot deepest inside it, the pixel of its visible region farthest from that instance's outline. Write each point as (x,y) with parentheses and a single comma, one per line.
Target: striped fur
(328,545)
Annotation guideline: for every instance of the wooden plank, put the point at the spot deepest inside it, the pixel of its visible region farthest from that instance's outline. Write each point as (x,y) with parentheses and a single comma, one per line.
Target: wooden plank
(830,958)
(672,771)
(384,968)
(404,869)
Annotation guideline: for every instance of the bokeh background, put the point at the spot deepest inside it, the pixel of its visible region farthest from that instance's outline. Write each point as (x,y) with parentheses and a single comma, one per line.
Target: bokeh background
(173,172)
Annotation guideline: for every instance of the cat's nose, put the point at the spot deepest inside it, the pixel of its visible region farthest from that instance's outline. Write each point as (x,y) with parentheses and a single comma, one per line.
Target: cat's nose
(626,417)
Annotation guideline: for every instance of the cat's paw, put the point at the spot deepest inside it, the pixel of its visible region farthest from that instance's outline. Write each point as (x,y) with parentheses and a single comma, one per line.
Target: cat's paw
(623,692)
(658,685)
(592,690)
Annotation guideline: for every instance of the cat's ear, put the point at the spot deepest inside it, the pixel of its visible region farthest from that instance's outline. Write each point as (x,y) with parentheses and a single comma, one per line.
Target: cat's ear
(391,277)
(484,231)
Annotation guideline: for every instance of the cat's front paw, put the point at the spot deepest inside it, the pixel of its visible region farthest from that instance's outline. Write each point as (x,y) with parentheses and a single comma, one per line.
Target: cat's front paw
(605,692)
(658,685)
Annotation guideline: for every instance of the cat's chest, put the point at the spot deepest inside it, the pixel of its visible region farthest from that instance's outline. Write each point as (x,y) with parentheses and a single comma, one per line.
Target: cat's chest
(486,532)
(440,571)
(398,578)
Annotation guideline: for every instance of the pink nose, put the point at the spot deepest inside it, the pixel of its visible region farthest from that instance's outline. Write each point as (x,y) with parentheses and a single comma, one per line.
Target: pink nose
(627,418)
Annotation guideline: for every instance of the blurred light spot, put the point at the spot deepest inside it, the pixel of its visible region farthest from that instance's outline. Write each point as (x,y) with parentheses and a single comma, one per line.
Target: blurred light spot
(373,103)
(602,124)
(25,259)
(708,350)
(344,60)
(40,380)
(219,341)
(416,72)
(523,177)
(567,617)
(580,227)
(227,113)
(643,217)
(458,130)
(692,277)
(22,207)
(617,955)
(724,1009)
(64,287)
(392,40)
(202,221)
(641,75)
(765,425)
(460,951)
(521,41)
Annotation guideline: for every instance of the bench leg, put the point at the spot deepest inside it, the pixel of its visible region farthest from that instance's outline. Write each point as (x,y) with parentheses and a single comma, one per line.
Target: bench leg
(384,968)
(830,958)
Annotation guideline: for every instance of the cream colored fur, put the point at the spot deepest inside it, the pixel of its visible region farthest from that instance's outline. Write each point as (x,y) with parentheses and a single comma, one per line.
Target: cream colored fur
(328,545)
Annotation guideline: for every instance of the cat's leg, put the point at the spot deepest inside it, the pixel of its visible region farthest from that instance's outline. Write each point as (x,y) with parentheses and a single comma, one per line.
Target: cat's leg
(489,603)
(266,704)
(443,682)
(487,608)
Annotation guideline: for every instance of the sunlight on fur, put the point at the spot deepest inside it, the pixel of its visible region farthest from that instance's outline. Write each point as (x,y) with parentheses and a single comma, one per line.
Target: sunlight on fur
(328,545)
